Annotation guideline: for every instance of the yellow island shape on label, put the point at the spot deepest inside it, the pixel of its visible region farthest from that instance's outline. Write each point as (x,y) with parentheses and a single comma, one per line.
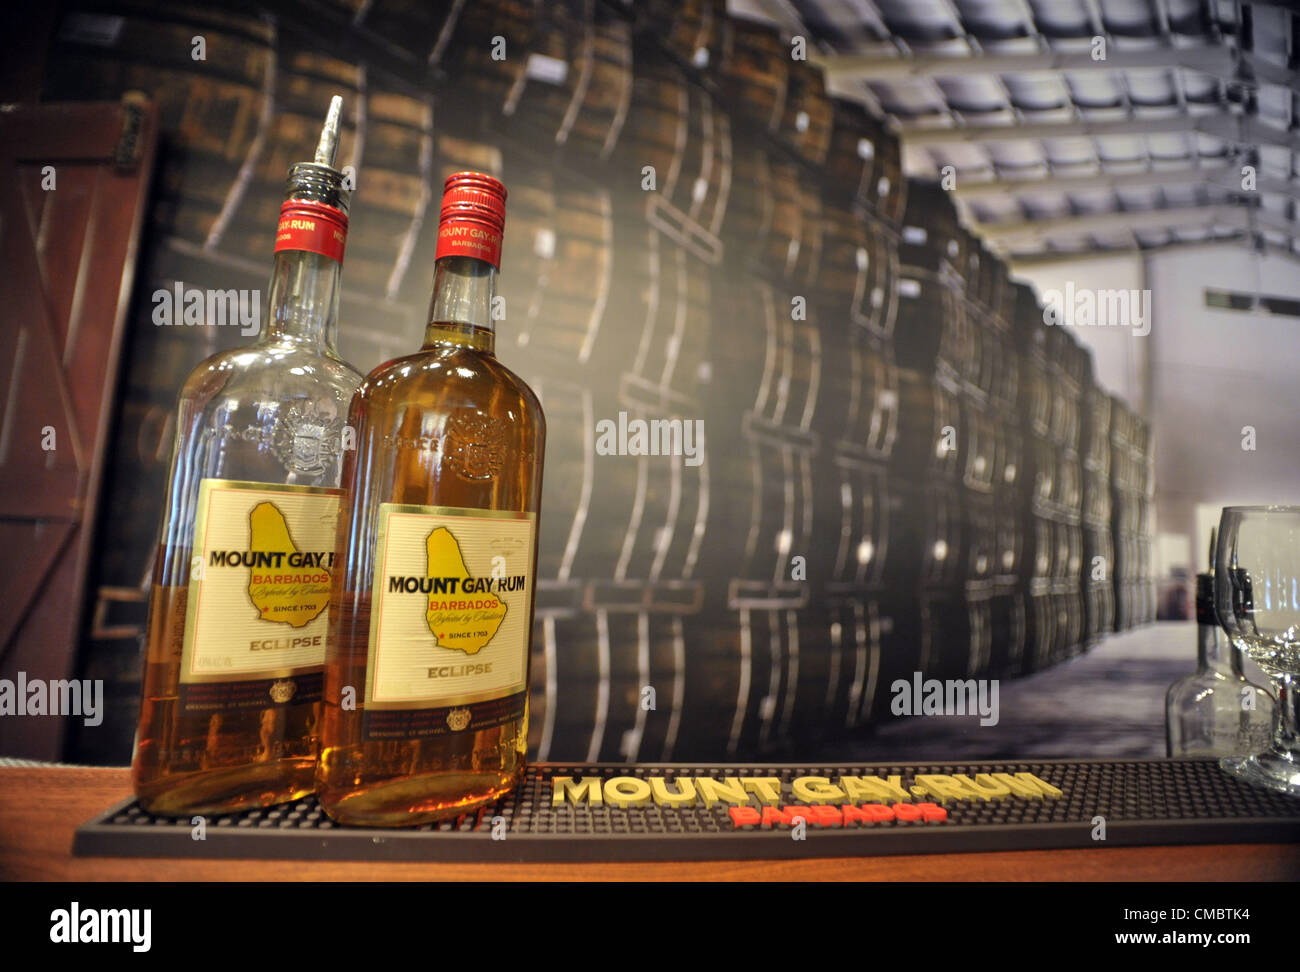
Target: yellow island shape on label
(467,617)
(291,595)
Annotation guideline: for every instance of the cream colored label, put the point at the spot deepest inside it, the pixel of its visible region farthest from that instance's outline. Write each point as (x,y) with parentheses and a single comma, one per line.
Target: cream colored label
(260,577)
(450,607)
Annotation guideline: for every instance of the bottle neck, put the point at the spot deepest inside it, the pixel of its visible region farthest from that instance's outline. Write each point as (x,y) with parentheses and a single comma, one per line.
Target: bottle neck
(1213,652)
(303,301)
(460,313)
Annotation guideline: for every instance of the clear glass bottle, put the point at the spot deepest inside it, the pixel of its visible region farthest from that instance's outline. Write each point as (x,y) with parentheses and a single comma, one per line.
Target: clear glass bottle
(426,704)
(239,612)
(1216,711)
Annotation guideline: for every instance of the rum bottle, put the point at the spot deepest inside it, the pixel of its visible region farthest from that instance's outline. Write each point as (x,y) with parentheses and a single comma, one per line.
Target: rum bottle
(1216,711)
(426,685)
(239,616)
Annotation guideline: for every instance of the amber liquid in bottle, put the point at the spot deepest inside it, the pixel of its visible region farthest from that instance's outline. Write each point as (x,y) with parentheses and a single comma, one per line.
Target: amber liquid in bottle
(447,427)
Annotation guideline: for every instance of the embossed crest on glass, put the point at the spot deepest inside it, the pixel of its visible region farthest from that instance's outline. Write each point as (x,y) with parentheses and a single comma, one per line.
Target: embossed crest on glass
(238,614)
(1257,599)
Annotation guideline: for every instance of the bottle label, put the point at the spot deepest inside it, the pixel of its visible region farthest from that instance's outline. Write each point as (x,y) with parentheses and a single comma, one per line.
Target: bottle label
(312,226)
(468,238)
(257,612)
(451,613)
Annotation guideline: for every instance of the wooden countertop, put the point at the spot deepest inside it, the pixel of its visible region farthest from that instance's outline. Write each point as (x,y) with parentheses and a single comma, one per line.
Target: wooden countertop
(40,808)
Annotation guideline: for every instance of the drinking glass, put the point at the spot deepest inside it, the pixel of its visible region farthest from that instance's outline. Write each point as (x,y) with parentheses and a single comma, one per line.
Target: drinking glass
(1257,600)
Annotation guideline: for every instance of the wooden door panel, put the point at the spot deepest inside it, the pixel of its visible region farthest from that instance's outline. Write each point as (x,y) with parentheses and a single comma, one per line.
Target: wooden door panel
(69,254)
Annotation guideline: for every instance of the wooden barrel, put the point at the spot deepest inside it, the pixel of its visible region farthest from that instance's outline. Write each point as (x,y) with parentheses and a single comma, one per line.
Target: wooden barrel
(1041,475)
(774,374)
(1040,629)
(675,127)
(931,237)
(760,681)
(1006,631)
(1008,458)
(980,541)
(955,635)
(857,276)
(864,505)
(978,448)
(925,448)
(742,676)
(691,29)
(665,300)
(1094,448)
(862,391)
(1096,505)
(214,113)
(1005,392)
(754,75)
(239,218)
(1068,497)
(983,357)
(864,163)
(573,89)
(1040,553)
(927,533)
(806,119)
(1063,427)
(1010,544)
(1069,608)
(772,510)
(1067,562)
(570,465)
(396,198)
(464,46)
(1099,593)
(1035,397)
(1099,611)
(648,513)
(842,665)
(558,269)
(932,332)
(774,219)
(608,686)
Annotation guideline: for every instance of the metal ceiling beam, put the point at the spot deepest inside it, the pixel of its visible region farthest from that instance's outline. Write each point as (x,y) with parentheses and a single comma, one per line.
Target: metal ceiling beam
(1225,215)
(1237,129)
(1102,180)
(1078,256)
(1224,176)
(868,67)
(933,135)
(1247,240)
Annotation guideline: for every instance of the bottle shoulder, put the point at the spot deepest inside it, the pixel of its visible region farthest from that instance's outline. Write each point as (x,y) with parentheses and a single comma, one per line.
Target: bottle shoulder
(461,374)
(270,372)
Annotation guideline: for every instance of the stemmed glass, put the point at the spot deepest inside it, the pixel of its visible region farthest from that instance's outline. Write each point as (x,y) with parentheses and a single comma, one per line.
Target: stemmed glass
(1257,599)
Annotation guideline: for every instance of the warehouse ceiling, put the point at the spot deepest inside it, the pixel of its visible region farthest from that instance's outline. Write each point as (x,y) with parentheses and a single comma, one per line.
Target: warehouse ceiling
(1079,126)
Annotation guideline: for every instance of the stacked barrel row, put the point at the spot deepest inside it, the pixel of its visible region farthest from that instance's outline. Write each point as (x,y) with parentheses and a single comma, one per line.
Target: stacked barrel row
(806,392)
(1099,565)
(1132,486)
(956,466)
(876,458)
(1057,376)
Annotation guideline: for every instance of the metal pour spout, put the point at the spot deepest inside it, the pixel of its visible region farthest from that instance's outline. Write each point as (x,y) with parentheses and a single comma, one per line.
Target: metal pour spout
(328,146)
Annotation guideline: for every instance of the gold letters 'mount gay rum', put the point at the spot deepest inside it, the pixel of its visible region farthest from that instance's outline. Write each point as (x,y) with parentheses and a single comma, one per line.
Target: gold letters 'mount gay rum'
(240,608)
(425,711)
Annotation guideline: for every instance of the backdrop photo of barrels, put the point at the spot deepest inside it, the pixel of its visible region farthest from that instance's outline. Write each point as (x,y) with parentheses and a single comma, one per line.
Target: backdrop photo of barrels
(888,463)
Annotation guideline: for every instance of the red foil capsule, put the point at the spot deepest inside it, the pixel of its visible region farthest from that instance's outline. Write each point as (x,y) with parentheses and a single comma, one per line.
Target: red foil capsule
(312,226)
(473,217)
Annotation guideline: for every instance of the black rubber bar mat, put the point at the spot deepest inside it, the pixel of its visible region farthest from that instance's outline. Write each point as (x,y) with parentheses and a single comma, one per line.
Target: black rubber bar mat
(606,812)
